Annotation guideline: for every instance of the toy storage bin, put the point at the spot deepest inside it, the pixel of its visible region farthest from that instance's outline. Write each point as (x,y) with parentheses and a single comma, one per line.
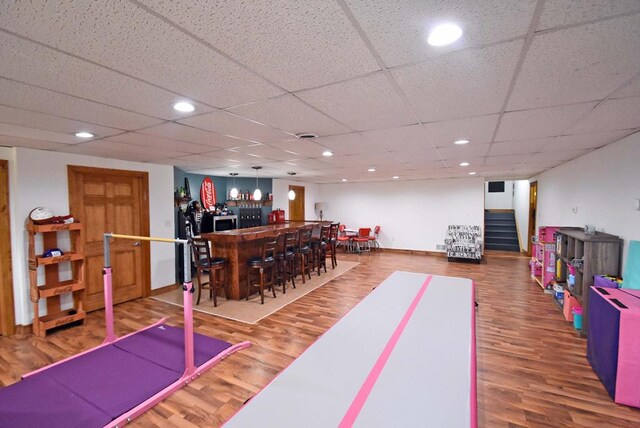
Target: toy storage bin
(570,302)
(577,317)
(604,281)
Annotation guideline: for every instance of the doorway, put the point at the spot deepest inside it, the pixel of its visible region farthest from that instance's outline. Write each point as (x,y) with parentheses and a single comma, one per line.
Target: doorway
(116,201)
(296,207)
(533,208)
(7,311)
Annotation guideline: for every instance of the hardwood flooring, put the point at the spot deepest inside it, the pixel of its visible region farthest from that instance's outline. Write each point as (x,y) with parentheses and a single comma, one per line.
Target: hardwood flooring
(532,369)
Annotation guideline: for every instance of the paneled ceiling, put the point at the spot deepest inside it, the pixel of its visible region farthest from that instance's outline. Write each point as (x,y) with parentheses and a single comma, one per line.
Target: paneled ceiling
(531,84)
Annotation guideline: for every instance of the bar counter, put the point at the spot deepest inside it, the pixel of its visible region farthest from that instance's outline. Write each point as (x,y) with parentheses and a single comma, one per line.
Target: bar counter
(239,245)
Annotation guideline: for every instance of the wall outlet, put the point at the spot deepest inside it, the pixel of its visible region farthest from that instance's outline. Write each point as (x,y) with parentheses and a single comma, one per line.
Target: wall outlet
(574,210)
(440,247)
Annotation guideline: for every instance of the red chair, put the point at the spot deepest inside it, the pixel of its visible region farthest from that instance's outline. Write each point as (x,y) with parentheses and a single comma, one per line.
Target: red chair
(342,238)
(374,238)
(362,238)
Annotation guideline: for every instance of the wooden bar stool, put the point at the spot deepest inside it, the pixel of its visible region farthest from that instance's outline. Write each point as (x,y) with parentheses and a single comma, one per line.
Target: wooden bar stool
(319,250)
(266,267)
(302,251)
(205,264)
(332,244)
(285,260)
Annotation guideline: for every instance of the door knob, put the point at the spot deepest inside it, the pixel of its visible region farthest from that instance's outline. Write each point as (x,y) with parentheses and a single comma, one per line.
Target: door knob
(136,244)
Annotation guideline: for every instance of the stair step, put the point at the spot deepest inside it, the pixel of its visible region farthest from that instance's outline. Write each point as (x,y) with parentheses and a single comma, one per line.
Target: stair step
(500,222)
(512,240)
(499,229)
(502,247)
(490,215)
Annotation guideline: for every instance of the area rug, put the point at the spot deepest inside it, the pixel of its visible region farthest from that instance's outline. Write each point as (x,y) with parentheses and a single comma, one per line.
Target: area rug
(251,311)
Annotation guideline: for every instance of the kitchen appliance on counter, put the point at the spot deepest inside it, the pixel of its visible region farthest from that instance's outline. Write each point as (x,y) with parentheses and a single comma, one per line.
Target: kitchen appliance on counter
(218,223)
(276,216)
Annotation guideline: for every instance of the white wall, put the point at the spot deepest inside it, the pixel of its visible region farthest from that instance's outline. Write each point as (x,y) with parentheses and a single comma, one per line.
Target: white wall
(41,180)
(280,189)
(413,215)
(499,201)
(521,209)
(599,188)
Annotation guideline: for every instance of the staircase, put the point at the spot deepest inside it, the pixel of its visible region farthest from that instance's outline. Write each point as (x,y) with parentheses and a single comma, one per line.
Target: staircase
(500,231)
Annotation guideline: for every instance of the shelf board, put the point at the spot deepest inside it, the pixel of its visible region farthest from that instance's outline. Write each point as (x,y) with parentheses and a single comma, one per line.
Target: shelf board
(61,288)
(59,319)
(235,203)
(66,257)
(44,228)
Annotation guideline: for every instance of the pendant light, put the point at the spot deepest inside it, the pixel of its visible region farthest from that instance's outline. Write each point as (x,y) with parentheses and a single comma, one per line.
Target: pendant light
(257,194)
(292,193)
(233,193)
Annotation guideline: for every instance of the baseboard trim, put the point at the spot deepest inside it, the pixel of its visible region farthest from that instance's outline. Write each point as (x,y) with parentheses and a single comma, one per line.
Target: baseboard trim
(413,252)
(164,289)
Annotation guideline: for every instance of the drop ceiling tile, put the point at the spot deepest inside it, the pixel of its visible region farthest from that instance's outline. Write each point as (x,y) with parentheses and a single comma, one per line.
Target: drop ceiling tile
(398,139)
(30,119)
(289,114)
(477,129)
(630,90)
(236,126)
(267,152)
(23,59)
(302,148)
(12,141)
(566,12)
(582,141)
(159,143)
(463,152)
(556,155)
(15,94)
(506,161)
(139,44)
(348,144)
(369,102)
(578,64)
(109,153)
(416,158)
(462,84)
(364,161)
(539,123)
(209,160)
(38,134)
(518,147)
(295,44)
(312,164)
(398,29)
(621,113)
(189,134)
(116,146)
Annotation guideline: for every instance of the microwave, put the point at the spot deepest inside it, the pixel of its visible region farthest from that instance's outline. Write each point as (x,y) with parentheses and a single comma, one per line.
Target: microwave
(218,223)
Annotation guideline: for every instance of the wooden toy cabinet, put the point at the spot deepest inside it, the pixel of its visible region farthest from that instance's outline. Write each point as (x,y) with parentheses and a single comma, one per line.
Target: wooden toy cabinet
(53,287)
(543,259)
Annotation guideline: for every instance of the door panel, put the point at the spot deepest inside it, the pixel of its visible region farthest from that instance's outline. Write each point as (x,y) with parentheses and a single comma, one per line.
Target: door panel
(296,207)
(112,201)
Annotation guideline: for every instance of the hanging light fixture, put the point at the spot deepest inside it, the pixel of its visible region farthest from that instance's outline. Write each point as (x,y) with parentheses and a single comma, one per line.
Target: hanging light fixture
(257,194)
(233,193)
(292,193)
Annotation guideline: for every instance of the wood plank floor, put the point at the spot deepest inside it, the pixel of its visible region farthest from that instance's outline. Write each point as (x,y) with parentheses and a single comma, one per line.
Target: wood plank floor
(532,369)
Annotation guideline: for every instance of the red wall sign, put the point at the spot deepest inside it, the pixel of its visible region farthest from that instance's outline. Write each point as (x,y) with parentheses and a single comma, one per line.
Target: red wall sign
(208,194)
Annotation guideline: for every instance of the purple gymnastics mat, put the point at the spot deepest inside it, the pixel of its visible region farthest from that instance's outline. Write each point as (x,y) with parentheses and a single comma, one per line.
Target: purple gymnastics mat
(98,386)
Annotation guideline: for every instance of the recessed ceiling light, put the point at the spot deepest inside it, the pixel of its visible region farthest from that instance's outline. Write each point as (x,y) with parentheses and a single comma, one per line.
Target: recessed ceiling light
(327,153)
(444,34)
(395,177)
(472,173)
(84,135)
(371,170)
(344,179)
(460,142)
(464,163)
(184,107)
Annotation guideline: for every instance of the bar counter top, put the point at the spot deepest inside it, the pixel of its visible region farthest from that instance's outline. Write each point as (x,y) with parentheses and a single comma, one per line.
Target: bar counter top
(253,233)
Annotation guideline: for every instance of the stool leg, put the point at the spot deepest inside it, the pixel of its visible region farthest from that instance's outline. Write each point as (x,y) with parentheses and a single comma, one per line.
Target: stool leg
(199,286)
(273,284)
(262,286)
(292,271)
(214,286)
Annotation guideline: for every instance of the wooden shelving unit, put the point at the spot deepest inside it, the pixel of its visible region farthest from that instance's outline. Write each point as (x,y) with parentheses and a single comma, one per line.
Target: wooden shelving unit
(594,254)
(241,202)
(53,287)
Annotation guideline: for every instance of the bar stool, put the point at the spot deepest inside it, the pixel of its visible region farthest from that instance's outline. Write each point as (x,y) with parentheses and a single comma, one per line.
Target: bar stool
(265,262)
(302,251)
(205,264)
(285,260)
(319,249)
(332,244)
